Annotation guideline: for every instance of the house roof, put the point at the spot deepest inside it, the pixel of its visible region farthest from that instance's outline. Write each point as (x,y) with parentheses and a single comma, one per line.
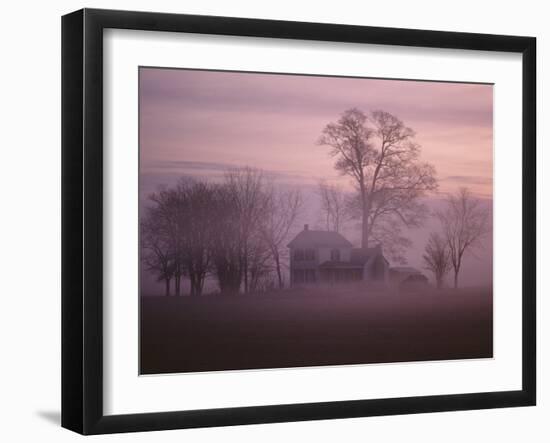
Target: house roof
(311,238)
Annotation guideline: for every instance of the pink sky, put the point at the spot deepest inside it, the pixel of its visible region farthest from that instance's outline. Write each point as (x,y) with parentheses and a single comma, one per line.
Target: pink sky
(192,118)
(203,122)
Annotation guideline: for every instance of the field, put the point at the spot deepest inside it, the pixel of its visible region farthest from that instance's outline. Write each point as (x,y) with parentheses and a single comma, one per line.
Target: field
(312,328)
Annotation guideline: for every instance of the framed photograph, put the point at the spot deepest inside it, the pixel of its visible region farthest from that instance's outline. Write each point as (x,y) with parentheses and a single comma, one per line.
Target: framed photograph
(268,221)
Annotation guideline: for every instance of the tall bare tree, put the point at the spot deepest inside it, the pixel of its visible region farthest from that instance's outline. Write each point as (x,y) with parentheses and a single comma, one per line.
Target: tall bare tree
(333,206)
(465,223)
(260,263)
(280,217)
(248,193)
(225,242)
(197,201)
(379,153)
(437,257)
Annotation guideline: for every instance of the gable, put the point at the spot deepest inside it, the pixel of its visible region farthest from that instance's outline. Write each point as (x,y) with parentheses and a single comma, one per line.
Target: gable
(319,239)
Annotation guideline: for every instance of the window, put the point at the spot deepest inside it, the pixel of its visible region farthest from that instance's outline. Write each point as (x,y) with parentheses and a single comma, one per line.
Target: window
(299,254)
(335,255)
(309,254)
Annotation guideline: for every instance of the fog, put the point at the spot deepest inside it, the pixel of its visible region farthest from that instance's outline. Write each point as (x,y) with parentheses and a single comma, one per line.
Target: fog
(202,124)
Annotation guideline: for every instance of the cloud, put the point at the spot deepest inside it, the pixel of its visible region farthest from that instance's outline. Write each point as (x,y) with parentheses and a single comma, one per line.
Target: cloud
(169,171)
(414,101)
(469,180)
(192,165)
(203,123)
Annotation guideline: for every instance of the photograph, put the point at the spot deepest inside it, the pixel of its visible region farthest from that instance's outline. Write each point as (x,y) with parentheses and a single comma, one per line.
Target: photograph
(297,220)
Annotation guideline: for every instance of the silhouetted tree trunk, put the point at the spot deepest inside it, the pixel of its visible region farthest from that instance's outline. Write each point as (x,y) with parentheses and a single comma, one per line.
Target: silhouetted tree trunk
(437,258)
(194,289)
(177,283)
(365,218)
(279,272)
(229,276)
(456,278)
(245,268)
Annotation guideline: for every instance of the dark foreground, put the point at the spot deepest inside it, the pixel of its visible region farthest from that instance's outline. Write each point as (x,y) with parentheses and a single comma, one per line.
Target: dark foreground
(211,333)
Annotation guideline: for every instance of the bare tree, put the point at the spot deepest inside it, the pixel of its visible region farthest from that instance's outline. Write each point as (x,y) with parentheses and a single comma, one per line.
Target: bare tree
(333,206)
(225,242)
(379,153)
(247,189)
(157,252)
(197,201)
(280,217)
(166,212)
(437,257)
(260,263)
(465,223)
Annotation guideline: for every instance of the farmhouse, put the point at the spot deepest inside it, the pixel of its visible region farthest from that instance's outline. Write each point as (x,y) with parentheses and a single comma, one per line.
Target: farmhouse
(328,257)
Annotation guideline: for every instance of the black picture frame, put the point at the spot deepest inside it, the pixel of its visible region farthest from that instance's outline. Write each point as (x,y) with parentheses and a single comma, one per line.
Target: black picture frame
(82,218)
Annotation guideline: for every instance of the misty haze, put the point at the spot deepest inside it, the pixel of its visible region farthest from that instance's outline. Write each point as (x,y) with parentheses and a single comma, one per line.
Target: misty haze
(291,220)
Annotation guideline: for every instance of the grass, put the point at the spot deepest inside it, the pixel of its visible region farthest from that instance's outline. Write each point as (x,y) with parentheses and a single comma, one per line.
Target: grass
(312,327)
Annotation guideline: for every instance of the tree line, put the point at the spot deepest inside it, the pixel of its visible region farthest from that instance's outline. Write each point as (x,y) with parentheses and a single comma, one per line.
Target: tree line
(234,231)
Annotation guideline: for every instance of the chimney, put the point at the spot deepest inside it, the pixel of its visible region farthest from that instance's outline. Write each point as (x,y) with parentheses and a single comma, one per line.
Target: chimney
(306,227)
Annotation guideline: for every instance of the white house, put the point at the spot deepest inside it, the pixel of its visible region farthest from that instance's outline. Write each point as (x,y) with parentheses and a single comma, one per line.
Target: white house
(328,257)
